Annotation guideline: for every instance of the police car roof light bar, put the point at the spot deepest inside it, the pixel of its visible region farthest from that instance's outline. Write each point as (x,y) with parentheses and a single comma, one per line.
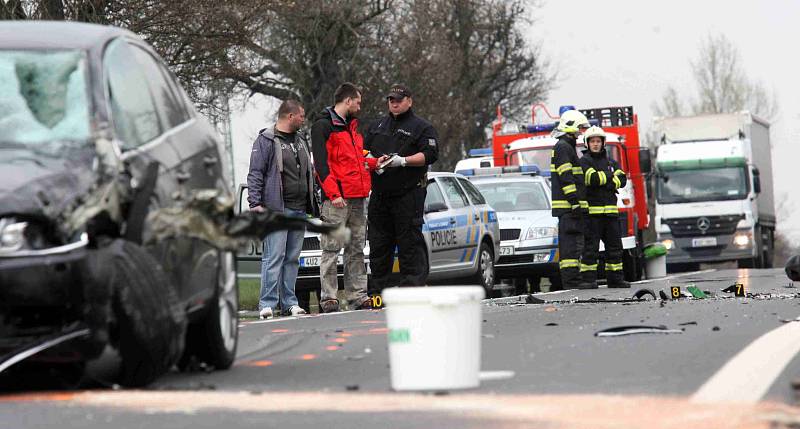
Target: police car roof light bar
(487,151)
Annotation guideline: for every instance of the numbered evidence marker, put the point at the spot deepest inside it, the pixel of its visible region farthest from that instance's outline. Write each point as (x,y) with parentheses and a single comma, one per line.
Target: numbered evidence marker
(377,301)
(739,291)
(675,292)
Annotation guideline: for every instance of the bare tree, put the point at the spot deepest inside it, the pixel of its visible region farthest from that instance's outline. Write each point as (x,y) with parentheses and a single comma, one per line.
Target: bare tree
(722,85)
(56,10)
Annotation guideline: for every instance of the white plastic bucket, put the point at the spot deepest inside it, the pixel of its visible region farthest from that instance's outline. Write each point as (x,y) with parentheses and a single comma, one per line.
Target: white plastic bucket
(657,267)
(434,337)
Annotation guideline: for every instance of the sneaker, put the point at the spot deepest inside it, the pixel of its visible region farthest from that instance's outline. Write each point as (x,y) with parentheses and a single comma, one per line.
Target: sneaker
(265,313)
(329,306)
(296,310)
(365,305)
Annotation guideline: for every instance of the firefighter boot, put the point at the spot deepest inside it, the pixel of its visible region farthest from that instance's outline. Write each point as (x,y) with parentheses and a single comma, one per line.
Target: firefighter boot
(616,279)
(588,279)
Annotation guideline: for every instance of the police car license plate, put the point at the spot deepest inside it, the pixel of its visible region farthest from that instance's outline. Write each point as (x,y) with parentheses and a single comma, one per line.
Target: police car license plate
(541,257)
(506,250)
(704,241)
(310,261)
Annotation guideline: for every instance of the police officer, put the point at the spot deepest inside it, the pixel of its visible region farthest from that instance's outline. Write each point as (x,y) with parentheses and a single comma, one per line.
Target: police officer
(603,178)
(398,191)
(569,197)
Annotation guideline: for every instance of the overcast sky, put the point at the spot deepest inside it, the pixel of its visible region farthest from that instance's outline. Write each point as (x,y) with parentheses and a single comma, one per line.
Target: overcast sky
(626,52)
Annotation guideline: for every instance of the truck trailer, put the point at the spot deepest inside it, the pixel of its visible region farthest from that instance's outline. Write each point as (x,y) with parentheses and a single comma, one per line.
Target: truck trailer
(714,198)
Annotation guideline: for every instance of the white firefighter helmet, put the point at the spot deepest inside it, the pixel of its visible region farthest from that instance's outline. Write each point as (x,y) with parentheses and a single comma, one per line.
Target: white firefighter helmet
(594,131)
(571,122)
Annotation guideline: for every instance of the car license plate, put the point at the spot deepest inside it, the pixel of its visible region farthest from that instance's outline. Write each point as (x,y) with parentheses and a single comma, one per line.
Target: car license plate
(541,257)
(704,241)
(506,250)
(310,261)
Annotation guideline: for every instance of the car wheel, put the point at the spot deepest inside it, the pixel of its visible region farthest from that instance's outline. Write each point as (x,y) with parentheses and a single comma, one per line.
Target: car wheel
(214,339)
(485,274)
(150,322)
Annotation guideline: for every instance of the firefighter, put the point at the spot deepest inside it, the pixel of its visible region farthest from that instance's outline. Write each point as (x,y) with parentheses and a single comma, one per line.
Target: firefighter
(569,197)
(603,178)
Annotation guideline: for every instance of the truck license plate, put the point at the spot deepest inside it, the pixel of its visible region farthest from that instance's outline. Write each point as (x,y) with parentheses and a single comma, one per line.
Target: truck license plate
(704,241)
(506,250)
(310,261)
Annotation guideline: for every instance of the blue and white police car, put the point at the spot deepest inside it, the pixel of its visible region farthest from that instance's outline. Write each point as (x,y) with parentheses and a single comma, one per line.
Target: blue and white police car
(528,231)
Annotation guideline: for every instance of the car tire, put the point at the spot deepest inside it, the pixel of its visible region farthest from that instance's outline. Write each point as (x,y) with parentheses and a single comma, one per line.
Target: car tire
(214,339)
(150,322)
(485,276)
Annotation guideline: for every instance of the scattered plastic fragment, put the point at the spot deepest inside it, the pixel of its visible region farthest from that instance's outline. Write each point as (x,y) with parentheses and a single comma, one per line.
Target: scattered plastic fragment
(687,323)
(790,320)
(352,387)
(641,293)
(716,328)
(729,289)
(530,299)
(495,375)
(663,295)
(551,324)
(696,292)
(355,357)
(636,329)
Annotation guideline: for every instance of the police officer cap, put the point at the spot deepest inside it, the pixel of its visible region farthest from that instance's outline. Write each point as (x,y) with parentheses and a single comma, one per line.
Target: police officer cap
(398,92)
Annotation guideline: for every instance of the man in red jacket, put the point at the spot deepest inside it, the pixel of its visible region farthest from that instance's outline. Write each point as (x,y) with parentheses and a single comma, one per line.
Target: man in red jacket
(344,175)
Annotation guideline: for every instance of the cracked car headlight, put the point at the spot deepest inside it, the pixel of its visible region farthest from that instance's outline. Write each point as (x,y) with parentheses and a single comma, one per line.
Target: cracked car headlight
(12,235)
(536,232)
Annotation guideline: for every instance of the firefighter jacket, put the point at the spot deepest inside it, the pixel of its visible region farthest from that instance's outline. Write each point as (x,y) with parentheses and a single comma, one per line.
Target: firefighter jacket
(566,178)
(602,177)
(338,147)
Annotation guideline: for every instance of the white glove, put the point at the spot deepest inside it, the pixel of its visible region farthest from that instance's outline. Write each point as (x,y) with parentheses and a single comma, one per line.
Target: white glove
(395,161)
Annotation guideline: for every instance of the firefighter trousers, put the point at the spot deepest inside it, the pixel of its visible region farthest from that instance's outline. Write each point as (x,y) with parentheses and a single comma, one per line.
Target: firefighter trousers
(396,221)
(604,228)
(570,247)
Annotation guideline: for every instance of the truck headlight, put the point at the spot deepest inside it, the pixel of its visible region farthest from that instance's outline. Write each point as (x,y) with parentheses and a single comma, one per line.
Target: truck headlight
(741,239)
(669,244)
(12,235)
(541,232)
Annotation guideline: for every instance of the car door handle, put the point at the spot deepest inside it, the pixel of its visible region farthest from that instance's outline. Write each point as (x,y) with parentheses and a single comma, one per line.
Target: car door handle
(182,176)
(210,161)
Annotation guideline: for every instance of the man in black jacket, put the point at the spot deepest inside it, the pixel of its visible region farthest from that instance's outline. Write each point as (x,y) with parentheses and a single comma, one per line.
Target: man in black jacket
(398,191)
(603,178)
(569,197)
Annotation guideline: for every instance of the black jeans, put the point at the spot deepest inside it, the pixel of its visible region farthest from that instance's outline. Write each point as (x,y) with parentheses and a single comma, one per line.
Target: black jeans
(606,228)
(396,221)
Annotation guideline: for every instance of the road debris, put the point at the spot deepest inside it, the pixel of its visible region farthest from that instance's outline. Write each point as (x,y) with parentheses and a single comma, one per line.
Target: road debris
(496,375)
(642,293)
(551,324)
(687,323)
(696,292)
(636,329)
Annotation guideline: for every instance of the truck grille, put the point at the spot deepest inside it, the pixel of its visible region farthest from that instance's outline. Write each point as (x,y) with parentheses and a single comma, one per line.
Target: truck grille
(311,243)
(509,234)
(689,226)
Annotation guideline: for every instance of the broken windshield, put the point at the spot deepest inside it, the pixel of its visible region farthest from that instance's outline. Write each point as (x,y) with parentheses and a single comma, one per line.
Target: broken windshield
(43,98)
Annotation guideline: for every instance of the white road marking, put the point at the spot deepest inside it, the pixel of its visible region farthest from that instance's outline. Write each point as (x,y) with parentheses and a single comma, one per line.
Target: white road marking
(747,377)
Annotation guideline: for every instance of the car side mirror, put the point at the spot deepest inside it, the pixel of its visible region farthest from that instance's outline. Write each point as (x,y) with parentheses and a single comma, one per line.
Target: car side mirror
(437,206)
(645,161)
(756,181)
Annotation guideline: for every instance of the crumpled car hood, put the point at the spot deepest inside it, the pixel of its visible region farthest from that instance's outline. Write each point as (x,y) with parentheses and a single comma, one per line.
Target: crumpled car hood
(38,186)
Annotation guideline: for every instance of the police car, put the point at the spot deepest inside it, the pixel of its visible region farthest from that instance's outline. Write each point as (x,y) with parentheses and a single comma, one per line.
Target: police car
(528,231)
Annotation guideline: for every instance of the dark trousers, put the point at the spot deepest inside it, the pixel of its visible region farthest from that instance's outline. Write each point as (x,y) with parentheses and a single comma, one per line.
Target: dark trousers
(606,228)
(570,247)
(397,221)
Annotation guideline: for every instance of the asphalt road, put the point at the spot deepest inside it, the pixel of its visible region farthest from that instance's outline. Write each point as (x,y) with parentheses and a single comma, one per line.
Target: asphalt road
(731,365)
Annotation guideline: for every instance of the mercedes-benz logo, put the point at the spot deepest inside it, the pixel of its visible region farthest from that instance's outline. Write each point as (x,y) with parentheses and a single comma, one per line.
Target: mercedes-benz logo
(703,224)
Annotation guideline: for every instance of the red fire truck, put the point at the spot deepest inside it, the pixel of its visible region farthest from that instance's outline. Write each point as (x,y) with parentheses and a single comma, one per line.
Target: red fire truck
(532,144)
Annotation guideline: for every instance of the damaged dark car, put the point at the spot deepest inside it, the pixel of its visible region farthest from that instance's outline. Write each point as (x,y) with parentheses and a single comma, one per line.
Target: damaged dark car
(100,151)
